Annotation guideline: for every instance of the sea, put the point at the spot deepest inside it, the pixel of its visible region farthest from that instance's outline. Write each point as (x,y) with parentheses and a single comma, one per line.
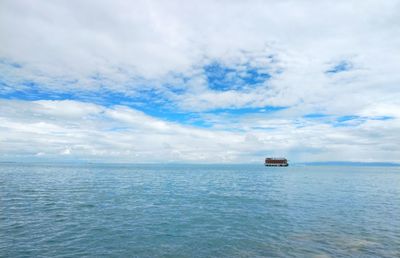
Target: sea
(170,210)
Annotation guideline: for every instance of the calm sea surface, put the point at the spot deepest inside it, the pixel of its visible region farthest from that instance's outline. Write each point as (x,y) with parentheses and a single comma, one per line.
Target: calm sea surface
(198,211)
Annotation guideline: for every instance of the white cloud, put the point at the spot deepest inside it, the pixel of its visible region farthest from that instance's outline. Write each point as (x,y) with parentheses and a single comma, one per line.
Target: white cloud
(124,47)
(126,135)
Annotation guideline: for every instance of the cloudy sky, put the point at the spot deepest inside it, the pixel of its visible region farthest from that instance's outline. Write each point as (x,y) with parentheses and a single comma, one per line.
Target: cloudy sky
(199,81)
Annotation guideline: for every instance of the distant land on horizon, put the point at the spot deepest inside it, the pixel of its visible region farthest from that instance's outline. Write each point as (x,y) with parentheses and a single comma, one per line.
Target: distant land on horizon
(349,163)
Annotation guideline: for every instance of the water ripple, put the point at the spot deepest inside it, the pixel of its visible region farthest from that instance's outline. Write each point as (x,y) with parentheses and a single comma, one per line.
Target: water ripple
(198,211)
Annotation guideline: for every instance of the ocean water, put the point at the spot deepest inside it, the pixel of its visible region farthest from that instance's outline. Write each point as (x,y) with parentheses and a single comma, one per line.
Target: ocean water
(198,211)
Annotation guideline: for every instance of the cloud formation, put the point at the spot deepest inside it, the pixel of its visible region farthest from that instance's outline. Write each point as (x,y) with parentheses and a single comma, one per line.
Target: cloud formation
(216,81)
(71,130)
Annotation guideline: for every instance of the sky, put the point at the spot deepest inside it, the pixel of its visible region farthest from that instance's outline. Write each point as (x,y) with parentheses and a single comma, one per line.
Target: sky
(199,81)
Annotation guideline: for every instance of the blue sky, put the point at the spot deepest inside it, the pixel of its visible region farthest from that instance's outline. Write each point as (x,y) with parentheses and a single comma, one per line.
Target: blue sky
(222,81)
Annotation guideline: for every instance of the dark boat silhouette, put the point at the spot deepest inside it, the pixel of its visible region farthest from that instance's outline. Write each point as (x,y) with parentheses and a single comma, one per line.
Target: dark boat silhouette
(276,162)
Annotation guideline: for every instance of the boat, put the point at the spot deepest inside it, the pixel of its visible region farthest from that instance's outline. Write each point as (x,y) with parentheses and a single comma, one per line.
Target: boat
(276,162)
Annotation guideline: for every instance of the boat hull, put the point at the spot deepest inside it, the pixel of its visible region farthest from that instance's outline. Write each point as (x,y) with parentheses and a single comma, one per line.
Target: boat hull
(276,165)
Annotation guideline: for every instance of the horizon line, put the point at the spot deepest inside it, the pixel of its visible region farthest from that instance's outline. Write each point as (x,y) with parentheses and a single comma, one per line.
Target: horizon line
(307,163)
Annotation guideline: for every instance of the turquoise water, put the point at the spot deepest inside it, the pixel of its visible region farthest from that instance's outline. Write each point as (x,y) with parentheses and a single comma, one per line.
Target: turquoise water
(198,211)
